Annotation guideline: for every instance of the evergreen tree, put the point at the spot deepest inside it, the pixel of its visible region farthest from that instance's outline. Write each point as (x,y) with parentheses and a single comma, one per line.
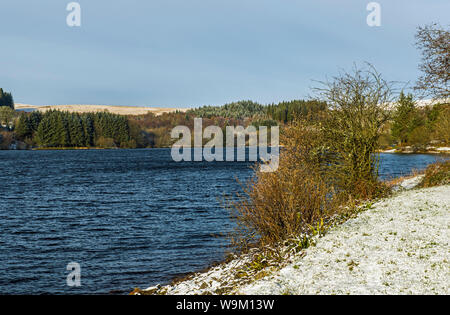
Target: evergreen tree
(44,133)
(76,131)
(62,133)
(6,99)
(89,131)
(24,127)
(405,119)
(35,119)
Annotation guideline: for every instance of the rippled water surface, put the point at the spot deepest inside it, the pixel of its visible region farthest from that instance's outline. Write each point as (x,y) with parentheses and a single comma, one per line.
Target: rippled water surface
(130,218)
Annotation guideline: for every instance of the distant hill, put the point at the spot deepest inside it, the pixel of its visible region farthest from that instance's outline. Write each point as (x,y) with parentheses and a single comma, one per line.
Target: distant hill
(121,110)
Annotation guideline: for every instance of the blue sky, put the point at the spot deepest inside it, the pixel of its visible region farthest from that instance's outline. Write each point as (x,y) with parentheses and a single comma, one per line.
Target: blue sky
(187,53)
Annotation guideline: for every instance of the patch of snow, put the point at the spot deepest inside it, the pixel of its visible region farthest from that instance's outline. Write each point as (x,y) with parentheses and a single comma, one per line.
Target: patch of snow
(411,183)
(408,183)
(444,149)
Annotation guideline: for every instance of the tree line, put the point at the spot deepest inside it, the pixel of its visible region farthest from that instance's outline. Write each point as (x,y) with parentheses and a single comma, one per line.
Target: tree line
(408,125)
(288,111)
(236,110)
(63,129)
(283,112)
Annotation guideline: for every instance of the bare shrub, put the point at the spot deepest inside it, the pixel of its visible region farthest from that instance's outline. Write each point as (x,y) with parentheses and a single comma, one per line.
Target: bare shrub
(281,204)
(359,107)
(434,42)
(6,138)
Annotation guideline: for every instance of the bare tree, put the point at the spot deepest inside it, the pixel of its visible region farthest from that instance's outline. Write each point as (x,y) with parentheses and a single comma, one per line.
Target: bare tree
(359,107)
(434,42)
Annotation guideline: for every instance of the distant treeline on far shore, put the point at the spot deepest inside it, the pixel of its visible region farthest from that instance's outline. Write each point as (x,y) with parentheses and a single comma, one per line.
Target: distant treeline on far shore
(410,125)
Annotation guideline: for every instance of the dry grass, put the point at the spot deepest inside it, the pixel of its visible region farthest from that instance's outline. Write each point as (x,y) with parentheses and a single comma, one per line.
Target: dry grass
(278,205)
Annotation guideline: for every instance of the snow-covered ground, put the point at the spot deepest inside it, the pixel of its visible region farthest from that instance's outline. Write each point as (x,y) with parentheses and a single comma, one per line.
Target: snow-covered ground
(401,246)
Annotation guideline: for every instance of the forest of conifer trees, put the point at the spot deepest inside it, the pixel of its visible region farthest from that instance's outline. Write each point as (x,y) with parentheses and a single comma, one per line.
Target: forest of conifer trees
(63,129)
(6,99)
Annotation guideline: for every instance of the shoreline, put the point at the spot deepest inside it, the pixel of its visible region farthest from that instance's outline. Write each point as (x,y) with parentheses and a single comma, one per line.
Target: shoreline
(440,150)
(392,151)
(20,146)
(239,276)
(111,148)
